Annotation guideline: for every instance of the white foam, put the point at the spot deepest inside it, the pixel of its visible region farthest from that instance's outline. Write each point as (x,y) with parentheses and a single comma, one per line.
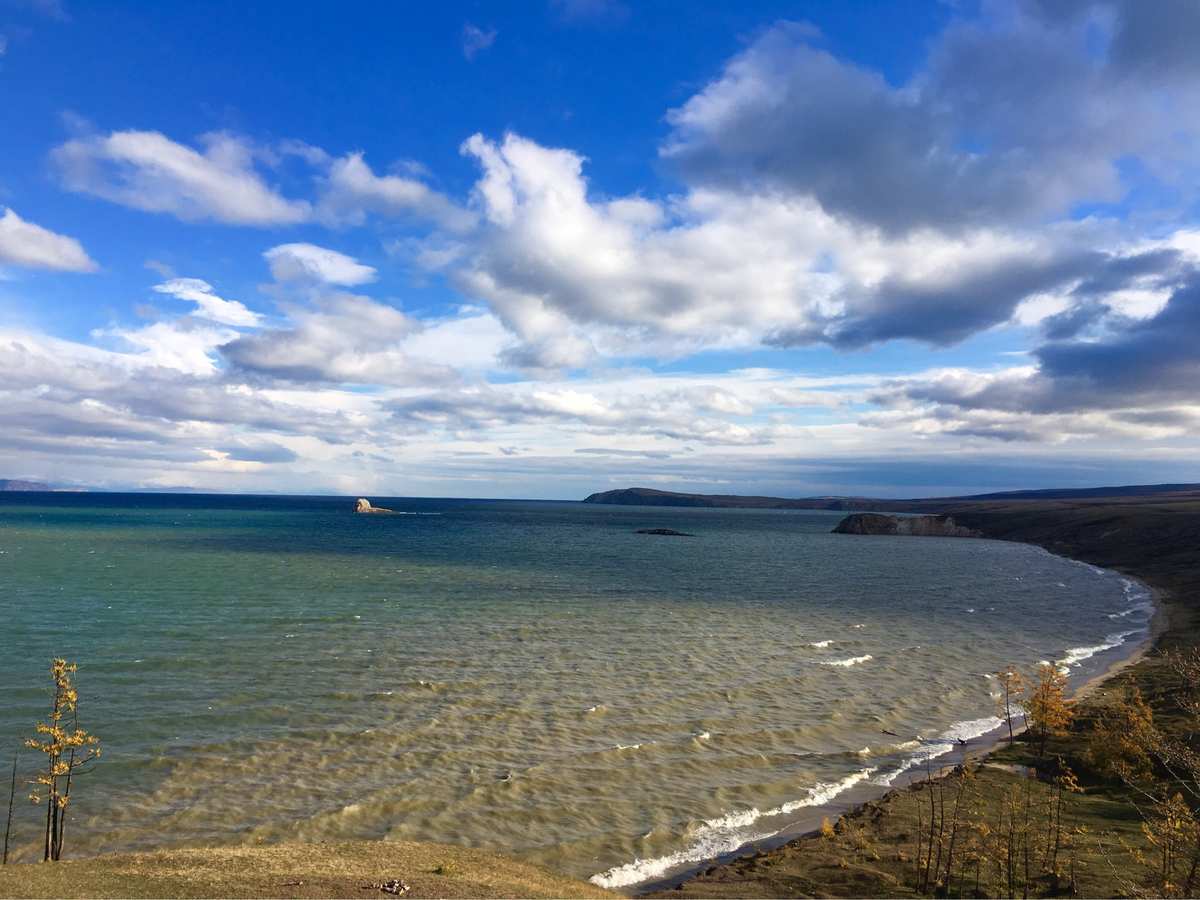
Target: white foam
(1076,655)
(966,730)
(1139,608)
(847,663)
(820,643)
(824,791)
(702,735)
(724,834)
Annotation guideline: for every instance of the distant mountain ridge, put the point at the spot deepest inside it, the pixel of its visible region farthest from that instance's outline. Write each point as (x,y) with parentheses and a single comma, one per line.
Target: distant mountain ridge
(16,484)
(653,497)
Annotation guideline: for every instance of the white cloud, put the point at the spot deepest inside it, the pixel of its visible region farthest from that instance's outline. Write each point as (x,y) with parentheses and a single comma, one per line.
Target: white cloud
(342,338)
(147,170)
(351,190)
(25,244)
(472,341)
(577,278)
(176,345)
(208,304)
(319,265)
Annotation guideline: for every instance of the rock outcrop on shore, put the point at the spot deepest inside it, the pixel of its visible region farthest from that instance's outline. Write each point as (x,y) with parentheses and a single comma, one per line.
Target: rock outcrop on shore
(915,526)
(363,505)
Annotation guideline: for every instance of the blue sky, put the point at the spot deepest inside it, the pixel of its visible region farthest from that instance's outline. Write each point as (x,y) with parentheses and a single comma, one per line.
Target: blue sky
(541,249)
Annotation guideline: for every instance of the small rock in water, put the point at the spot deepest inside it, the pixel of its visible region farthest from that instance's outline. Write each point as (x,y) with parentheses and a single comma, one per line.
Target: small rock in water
(670,532)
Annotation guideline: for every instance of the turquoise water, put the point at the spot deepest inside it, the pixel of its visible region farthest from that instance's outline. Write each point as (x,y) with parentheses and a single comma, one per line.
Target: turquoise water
(530,677)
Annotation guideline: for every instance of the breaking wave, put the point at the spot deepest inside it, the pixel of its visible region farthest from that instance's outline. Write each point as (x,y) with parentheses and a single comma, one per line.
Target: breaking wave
(847,663)
(725,834)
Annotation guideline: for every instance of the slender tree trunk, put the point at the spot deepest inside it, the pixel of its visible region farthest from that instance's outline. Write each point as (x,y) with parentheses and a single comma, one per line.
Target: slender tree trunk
(1191,876)
(1008,712)
(49,810)
(962,783)
(917,857)
(11,793)
(1025,846)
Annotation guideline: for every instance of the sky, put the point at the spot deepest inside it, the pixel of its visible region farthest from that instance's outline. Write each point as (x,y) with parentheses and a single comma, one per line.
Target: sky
(540,249)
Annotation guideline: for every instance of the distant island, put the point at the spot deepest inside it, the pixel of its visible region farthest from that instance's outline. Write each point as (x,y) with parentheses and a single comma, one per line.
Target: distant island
(639,496)
(651,497)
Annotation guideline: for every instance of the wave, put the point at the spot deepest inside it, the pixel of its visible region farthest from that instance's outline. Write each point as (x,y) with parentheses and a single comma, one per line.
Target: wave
(956,734)
(820,644)
(1138,608)
(847,663)
(1137,594)
(724,834)
(1077,655)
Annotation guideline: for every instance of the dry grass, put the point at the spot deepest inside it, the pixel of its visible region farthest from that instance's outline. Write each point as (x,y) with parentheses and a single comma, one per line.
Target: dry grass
(293,870)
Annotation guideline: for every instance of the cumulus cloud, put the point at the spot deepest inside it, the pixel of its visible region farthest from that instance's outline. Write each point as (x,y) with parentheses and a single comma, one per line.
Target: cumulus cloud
(208,305)
(179,345)
(1138,379)
(577,278)
(1015,118)
(318,265)
(147,170)
(25,244)
(342,338)
(351,190)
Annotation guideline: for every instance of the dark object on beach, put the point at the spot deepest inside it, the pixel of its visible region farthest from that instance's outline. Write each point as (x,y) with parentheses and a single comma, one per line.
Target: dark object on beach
(669,532)
(392,886)
(917,526)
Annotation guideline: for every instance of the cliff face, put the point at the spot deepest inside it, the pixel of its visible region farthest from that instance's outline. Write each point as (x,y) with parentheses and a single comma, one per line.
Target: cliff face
(915,526)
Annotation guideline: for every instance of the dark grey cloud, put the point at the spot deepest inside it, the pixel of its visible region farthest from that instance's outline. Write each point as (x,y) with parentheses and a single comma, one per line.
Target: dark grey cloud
(1138,374)
(950,309)
(1149,37)
(1071,322)
(1017,117)
(1156,358)
(1119,272)
(946,314)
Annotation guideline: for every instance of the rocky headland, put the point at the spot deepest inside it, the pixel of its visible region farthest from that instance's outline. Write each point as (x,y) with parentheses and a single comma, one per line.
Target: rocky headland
(915,526)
